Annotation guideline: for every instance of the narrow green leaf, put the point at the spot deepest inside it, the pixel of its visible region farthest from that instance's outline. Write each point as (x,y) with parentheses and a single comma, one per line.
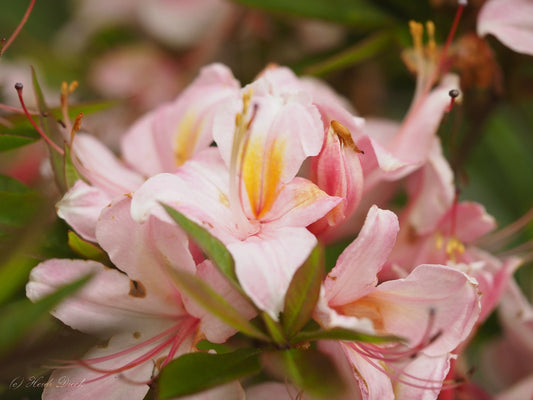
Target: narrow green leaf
(360,14)
(275,330)
(10,142)
(18,318)
(70,172)
(210,245)
(86,249)
(353,55)
(302,294)
(210,300)
(310,369)
(50,127)
(194,372)
(347,335)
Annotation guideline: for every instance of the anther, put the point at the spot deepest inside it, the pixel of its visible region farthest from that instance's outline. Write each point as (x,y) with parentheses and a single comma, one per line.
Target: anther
(454,94)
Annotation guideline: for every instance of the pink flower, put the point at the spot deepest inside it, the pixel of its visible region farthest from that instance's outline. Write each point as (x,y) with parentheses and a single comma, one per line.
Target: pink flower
(249,196)
(451,241)
(511,21)
(137,307)
(160,141)
(434,309)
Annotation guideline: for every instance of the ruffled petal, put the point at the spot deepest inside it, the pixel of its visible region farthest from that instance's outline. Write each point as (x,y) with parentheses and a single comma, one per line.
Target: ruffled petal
(300,203)
(144,250)
(101,168)
(265,264)
(510,21)
(441,298)
(355,273)
(81,207)
(110,303)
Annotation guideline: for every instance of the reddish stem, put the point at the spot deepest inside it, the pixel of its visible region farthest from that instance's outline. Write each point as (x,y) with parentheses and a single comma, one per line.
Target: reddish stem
(19,27)
(19,88)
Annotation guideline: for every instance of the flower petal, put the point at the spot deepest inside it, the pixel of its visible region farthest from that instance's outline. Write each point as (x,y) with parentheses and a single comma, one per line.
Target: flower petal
(81,207)
(355,273)
(510,21)
(265,264)
(144,250)
(214,329)
(299,203)
(110,303)
(441,298)
(101,168)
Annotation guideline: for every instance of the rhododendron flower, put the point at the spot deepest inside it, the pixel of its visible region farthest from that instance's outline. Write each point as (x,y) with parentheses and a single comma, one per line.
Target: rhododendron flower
(137,307)
(434,309)
(160,141)
(510,21)
(248,196)
(451,241)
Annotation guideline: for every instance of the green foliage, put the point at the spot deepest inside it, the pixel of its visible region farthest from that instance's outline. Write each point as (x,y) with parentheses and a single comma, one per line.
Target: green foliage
(310,369)
(302,294)
(195,372)
(359,14)
(343,334)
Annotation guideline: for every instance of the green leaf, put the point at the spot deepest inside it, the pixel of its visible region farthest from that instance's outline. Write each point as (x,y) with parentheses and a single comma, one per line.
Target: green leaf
(18,318)
(211,301)
(275,330)
(194,372)
(360,14)
(361,51)
(10,142)
(302,294)
(86,249)
(50,127)
(70,172)
(345,334)
(310,369)
(213,248)
(19,204)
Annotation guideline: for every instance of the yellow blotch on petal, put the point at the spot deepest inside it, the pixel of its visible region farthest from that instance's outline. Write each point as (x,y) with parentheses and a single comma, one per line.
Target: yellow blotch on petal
(186,137)
(261,173)
(365,307)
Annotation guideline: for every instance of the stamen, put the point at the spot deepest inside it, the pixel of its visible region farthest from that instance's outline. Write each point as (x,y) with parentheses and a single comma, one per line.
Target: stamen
(505,235)
(432,45)
(19,87)
(76,127)
(5,44)
(454,94)
(67,89)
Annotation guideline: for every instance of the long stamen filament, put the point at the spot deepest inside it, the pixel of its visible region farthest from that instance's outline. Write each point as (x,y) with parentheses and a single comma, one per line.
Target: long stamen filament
(19,88)
(6,44)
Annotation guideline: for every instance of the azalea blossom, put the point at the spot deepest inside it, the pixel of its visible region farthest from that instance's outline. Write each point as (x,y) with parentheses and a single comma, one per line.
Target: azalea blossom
(145,318)
(433,308)
(160,141)
(245,191)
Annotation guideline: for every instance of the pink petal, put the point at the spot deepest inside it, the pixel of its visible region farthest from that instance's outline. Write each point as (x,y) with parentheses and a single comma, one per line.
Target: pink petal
(510,21)
(104,306)
(472,221)
(428,370)
(432,192)
(519,391)
(230,391)
(265,264)
(337,170)
(198,189)
(405,306)
(373,383)
(214,329)
(299,203)
(81,207)
(355,273)
(144,250)
(101,168)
